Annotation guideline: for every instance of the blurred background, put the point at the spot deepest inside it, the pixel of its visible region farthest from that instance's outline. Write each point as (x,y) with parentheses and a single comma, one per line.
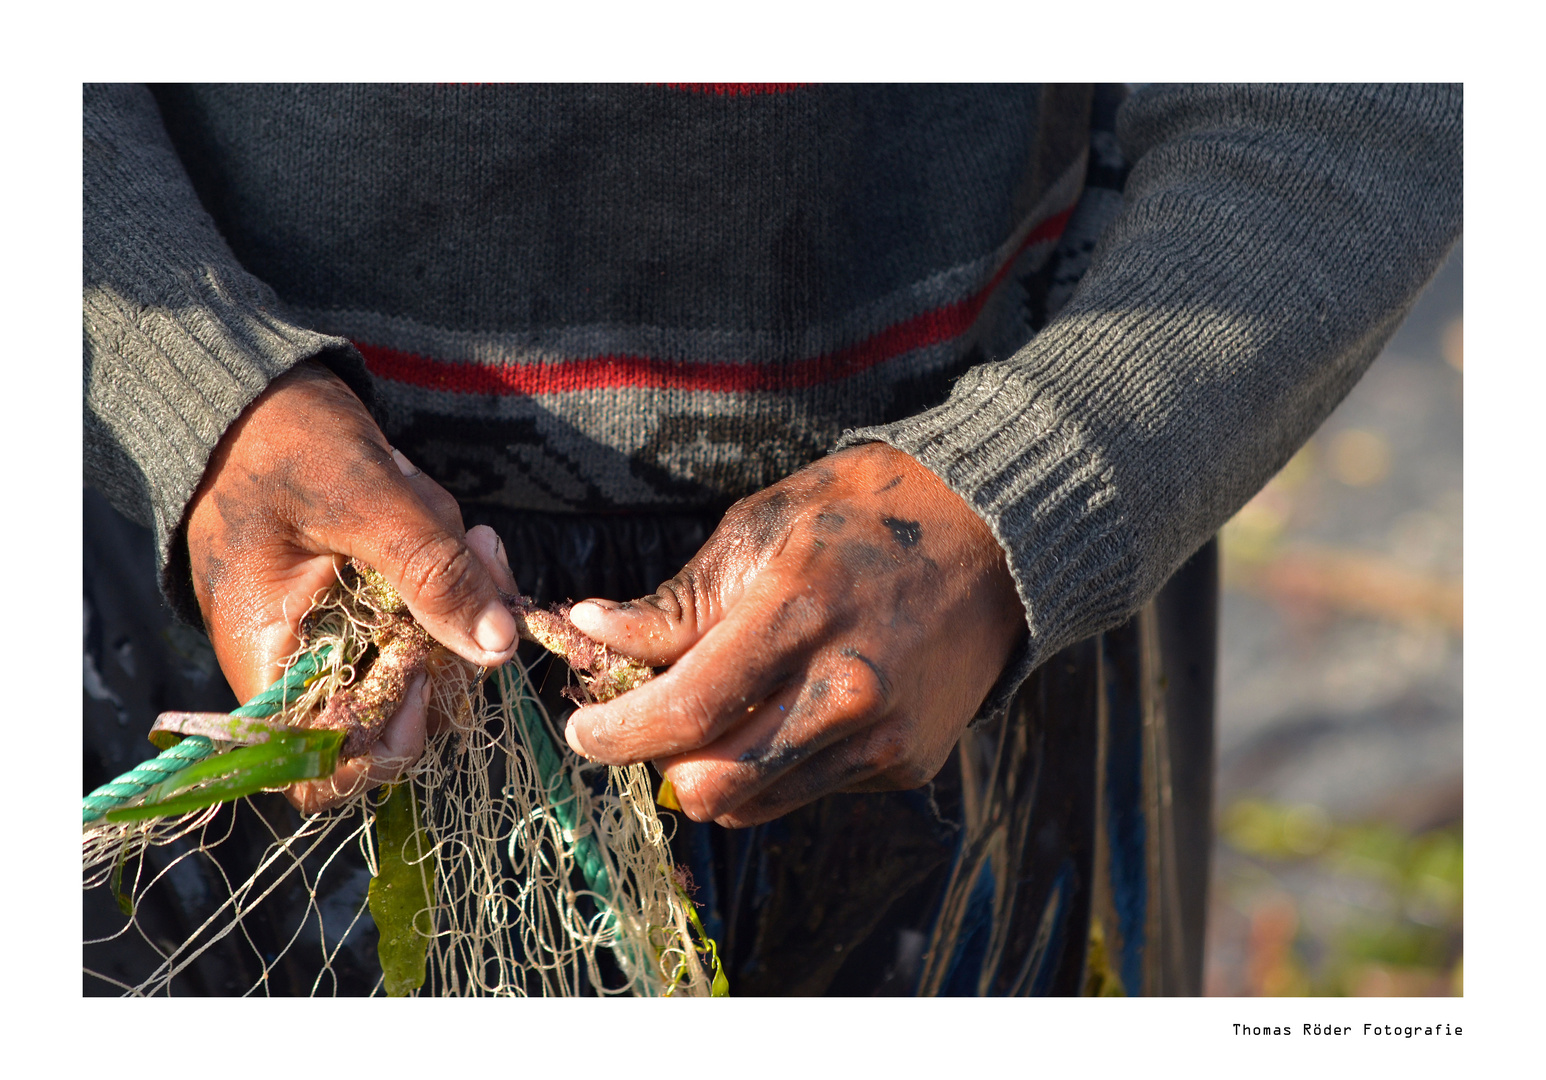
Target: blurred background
(1337,868)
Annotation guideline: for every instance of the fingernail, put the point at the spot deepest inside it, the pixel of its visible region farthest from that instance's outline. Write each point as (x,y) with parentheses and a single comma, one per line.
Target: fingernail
(573,740)
(404,466)
(589,616)
(499,552)
(495,629)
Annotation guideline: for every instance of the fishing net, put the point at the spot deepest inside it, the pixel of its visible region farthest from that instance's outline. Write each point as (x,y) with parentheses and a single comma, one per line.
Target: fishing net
(499,864)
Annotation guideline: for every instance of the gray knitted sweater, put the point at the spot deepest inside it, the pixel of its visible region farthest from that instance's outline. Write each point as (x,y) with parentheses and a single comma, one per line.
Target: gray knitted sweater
(666,297)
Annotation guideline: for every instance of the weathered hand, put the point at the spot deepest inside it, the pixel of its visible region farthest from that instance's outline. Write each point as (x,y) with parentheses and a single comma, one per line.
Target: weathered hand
(301,481)
(836,633)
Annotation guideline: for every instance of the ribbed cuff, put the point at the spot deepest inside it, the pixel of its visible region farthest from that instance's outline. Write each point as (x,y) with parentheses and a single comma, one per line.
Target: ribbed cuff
(1047,497)
(165,381)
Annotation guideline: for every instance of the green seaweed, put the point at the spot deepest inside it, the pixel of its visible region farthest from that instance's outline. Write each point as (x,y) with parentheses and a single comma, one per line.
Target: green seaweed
(125,901)
(402,891)
(284,759)
(720,985)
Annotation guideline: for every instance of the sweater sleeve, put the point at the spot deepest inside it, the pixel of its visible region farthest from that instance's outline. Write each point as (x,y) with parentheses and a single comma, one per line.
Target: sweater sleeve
(179,338)
(1270,241)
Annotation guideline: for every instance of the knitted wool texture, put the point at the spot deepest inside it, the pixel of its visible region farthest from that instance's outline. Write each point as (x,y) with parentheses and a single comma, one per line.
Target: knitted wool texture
(653,298)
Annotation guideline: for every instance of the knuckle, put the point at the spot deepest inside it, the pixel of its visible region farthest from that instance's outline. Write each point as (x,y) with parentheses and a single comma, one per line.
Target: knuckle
(691,721)
(890,754)
(440,572)
(755,528)
(801,614)
(310,797)
(442,504)
(703,793)
(886,753)
(676,599)
(741,508)
(866,693)
(745,817)
(912,773)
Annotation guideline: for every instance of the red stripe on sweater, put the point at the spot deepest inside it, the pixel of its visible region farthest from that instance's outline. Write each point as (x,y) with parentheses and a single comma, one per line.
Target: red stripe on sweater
(599,372)
(736,89)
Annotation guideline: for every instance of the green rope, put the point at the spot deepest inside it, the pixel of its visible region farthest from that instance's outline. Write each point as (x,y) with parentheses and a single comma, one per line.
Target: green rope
(587,853)
(144,776)
(565,802)
(147,774)
(292,683)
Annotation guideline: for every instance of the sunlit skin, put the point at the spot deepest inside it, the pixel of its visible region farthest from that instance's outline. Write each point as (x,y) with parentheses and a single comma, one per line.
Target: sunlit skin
(301,481)
(836,633)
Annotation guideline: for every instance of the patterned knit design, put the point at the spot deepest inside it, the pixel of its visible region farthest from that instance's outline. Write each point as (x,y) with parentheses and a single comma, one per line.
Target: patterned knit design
(661,298)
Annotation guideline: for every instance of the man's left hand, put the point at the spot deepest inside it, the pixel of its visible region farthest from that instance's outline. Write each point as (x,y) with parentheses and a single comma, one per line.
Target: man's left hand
(837,633)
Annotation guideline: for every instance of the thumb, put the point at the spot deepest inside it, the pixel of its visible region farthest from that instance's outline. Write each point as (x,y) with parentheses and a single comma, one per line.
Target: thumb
(656,629)
(446,586)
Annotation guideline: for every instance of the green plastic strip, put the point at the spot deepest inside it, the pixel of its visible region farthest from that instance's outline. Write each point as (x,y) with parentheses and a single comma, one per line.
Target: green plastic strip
(164,767)
(284,759)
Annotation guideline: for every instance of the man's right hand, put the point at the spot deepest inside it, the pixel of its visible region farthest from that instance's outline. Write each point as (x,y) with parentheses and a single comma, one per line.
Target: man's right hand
(301,481)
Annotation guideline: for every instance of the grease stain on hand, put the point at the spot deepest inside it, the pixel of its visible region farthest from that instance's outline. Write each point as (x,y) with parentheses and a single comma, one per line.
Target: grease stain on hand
(905,533)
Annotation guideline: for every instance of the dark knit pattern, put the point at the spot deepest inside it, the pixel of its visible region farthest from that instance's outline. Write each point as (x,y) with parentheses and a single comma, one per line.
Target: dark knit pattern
(1271,240)
(660,299)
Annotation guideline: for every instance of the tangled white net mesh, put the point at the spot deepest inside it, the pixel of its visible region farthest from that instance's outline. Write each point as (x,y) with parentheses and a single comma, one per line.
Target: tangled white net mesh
(538,873)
